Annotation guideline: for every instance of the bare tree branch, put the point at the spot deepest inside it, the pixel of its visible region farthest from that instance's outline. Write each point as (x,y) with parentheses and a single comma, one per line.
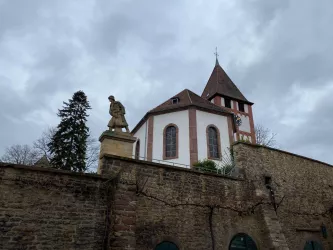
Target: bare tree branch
(29,155)
(20,154)
(264,136)
(92,153)
(41,144)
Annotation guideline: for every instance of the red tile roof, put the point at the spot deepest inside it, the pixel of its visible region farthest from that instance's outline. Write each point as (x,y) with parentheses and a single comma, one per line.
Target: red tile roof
(220,83)
(187,98)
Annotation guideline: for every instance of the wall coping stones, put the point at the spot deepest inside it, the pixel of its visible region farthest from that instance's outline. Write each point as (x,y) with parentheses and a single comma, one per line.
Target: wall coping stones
(280,151)
(51,170)
(166,166)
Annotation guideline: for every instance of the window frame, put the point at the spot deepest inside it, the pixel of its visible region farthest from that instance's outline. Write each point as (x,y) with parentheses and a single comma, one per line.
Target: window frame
(175,100)
(225,102)
(241,104)
(218,142)
(164,142)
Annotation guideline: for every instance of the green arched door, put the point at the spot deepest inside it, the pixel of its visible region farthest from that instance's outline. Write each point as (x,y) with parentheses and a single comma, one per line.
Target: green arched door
(312,245)
(242,242)
(166,245)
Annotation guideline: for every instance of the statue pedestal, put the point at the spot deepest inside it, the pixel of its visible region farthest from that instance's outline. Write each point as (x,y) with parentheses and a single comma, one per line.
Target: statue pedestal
(115,143)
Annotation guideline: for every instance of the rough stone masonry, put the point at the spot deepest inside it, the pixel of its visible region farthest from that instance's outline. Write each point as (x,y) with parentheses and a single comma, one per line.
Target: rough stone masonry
(279,199)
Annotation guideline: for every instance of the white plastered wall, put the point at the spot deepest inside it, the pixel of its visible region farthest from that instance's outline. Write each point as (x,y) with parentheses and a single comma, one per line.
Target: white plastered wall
(221,122)
(245,138)
(246,108)
(245,123)
(143,136)
(181,119)
(222,102)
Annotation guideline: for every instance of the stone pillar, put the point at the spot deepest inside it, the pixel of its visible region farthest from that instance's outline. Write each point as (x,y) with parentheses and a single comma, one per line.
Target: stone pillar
(274,229)
(123,207)
(115,143)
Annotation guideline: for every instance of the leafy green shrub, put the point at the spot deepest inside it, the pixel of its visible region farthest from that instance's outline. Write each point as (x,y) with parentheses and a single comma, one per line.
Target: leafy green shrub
(206,166)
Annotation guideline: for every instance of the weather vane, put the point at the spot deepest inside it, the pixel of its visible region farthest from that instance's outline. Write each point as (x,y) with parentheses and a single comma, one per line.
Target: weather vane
(217,55)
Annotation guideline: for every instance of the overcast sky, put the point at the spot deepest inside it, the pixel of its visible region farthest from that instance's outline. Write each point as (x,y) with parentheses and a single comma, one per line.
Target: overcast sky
(279,53)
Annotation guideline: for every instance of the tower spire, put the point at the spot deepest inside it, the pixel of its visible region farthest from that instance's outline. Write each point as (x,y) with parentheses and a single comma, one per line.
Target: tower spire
(216,55)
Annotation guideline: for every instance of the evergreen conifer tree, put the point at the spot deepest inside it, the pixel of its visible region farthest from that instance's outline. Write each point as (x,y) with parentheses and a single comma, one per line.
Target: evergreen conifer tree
(69,143)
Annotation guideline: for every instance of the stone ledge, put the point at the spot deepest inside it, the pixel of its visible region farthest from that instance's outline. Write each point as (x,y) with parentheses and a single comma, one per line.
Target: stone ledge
(126,137)
(160,165)
(51,170)
(280,151)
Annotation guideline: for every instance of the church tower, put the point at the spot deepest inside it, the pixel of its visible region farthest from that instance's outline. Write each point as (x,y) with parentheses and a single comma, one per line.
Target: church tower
(221,91)
(188,128)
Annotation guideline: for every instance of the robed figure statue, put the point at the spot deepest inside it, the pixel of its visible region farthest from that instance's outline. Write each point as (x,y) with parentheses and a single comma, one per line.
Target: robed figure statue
(117,111)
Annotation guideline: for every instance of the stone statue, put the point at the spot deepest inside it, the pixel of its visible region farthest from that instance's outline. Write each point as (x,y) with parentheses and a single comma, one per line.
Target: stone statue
(117,111)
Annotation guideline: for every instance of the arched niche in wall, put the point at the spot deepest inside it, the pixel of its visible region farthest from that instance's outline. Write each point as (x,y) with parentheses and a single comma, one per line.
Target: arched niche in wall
(166,245)
(242,241)
(313,245)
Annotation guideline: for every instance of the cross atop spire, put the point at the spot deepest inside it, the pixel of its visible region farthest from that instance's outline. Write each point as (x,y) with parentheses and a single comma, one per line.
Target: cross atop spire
(216,55)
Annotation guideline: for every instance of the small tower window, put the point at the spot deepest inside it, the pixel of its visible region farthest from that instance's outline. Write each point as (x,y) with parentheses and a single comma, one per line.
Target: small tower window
(227,102)
(175,100)
(241,106)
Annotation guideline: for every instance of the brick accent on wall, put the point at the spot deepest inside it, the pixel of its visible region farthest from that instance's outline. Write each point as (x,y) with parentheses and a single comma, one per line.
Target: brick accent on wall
(150,138)
(230,130)
(252,124)
(192,116)
(217,100)
(252,133)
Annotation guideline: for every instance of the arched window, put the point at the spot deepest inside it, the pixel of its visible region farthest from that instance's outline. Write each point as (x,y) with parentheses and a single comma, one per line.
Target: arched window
(170,142)
(312,245)
(242,242)
(166,245)
(213,142)
(137,150)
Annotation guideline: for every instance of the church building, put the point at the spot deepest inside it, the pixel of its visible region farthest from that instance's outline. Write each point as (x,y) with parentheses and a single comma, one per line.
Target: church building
(187,127)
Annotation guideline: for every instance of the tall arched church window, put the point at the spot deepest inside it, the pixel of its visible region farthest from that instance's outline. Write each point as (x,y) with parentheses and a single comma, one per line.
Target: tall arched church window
(213,142)
(242,242)
(137,150)
(170,142)
(166,245)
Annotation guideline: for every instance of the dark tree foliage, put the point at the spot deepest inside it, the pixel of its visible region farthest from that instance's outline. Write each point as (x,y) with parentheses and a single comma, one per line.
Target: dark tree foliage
(69,143)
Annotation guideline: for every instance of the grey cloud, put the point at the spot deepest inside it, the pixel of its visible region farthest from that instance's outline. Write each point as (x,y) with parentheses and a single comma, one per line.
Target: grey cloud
(166,46)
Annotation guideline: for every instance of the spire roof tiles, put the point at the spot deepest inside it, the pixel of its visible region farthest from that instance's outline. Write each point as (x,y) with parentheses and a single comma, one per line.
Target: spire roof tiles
(219,83)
